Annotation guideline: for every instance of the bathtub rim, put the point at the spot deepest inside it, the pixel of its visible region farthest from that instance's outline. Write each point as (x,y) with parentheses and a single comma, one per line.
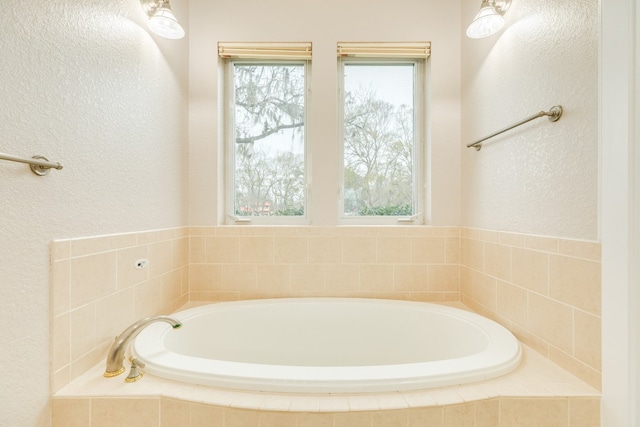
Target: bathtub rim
(497,360)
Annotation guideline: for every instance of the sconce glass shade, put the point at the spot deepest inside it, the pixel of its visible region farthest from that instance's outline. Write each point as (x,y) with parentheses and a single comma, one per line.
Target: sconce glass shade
(164,23)
(488,21)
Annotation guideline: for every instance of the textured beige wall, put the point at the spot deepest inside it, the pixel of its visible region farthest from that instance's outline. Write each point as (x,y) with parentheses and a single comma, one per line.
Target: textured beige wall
(84,84)
(541,178)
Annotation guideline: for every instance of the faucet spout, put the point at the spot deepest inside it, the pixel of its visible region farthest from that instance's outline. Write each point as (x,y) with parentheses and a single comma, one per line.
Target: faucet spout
(115,357)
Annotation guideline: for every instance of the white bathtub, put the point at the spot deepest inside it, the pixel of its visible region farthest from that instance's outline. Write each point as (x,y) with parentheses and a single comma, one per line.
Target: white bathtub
(328,345)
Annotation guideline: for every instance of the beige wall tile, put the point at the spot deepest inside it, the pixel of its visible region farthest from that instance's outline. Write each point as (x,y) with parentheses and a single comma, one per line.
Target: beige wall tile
(307,277)
(114,314)
(512,239)
(206,415)
(497,260)
(577,368)
(485,289)
(278,419)
(426,249)
(89,245)
(197,249)
(174,413)
(466,281)
(83,330)
(458,415)
(584,412)
(147,298)
(443,277)
(426,417)
(171,287)
(541,243)
(530,269)
(389,419)
(410,277)
(160,258)
(551,321)
(60,341)
(273,277)
(342,277)
(60,249)
(214,296)
(452,250)
(127,273)
(70,413)
(222,249)
(291,250)
(256,250)
(239,277)
(292,231)
(394,250)
(315,420)
(325,249)
(60,287)
(439,231)
(147,237)
(241,417)
(83,364)
(92,277)
(359,249)
(180,252)
(472,254)
(491,236)
(533,412)
(581,249)
(205,277)
(121,241)
(376,277)
(512,303)
(588,340)
(576,282)
(487,413)
(352,419)
(253,231)
(166,234)
(125,412)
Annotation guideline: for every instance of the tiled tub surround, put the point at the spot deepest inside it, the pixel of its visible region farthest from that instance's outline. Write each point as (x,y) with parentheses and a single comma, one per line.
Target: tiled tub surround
(96,292)
(537,393)
(404,262)
(545,290)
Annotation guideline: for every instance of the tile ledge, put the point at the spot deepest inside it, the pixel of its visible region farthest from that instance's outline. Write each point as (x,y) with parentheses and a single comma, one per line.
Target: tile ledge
(536,377)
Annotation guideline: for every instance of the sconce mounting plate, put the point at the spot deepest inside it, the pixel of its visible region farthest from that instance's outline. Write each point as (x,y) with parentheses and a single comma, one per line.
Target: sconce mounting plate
(501,5)
(150,6)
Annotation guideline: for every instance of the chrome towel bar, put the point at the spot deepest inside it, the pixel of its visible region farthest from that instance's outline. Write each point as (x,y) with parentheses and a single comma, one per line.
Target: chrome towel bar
(554,115)
(39,165)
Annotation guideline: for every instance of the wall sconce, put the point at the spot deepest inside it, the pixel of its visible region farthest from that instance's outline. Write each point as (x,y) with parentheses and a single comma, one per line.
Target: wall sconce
(162,21)
(489,19)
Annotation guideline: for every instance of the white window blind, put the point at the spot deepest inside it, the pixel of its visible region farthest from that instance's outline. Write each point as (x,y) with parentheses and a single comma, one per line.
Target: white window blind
(412,50)
(246,50)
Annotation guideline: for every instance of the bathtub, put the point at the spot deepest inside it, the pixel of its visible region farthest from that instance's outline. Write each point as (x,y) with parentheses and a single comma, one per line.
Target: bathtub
(328,345)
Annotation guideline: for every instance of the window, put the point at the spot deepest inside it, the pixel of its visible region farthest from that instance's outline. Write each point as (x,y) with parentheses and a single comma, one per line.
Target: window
(382,105)
(267,87)
(370,172)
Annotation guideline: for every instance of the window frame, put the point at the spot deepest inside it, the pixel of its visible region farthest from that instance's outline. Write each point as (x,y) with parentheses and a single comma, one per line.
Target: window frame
(230,133)
(419,147)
